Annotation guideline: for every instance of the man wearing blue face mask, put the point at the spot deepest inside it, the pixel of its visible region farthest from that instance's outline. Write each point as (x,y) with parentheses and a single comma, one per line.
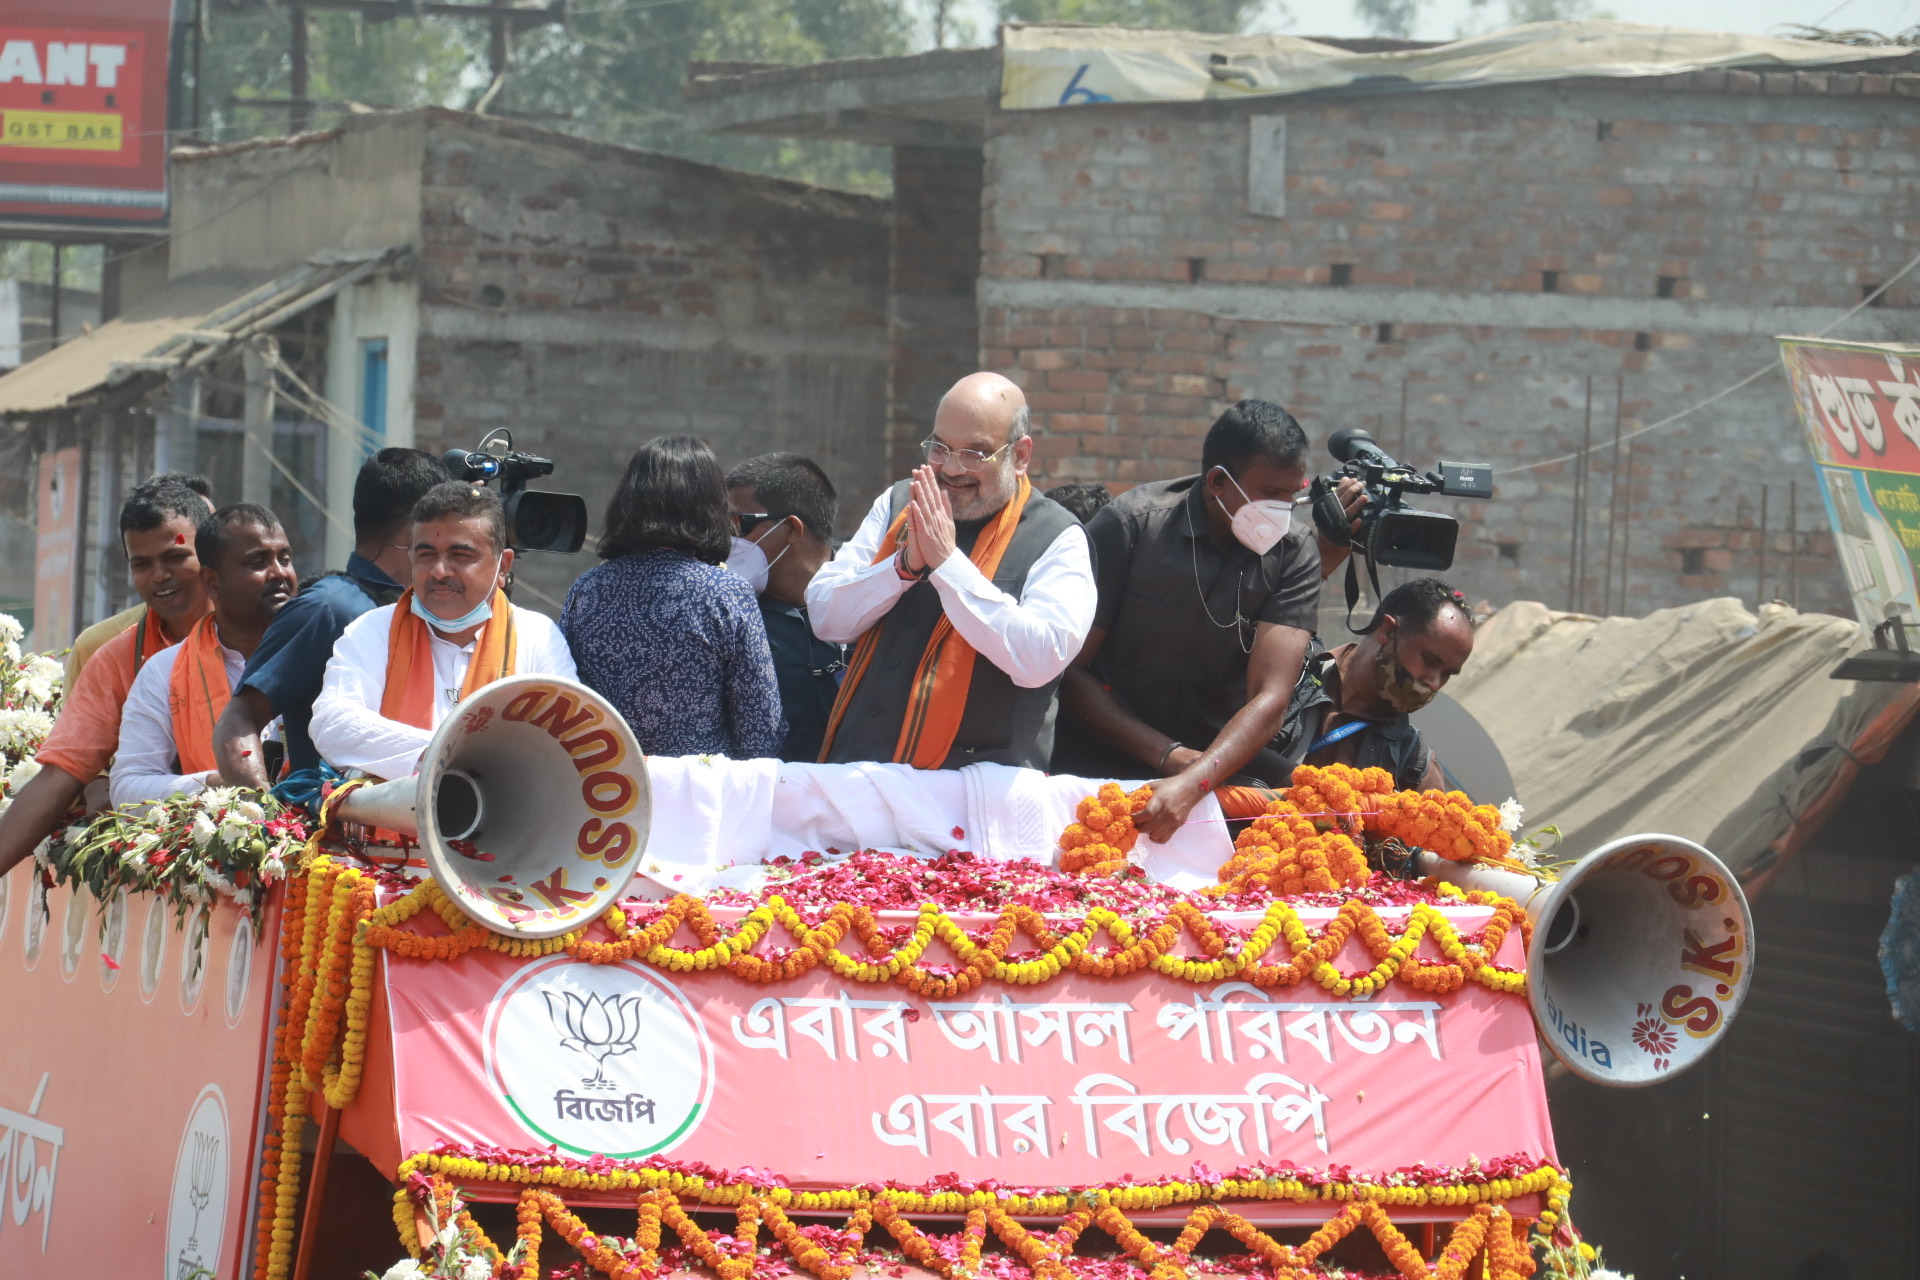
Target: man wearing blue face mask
(1208,596)
(397,671)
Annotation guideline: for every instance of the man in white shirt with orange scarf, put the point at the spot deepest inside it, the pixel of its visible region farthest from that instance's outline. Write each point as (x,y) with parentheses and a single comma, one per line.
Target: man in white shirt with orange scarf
(397,671)
(969,594)
(166,728)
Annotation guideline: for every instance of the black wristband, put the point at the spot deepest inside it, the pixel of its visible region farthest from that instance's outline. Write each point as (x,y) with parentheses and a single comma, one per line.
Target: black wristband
(921,574)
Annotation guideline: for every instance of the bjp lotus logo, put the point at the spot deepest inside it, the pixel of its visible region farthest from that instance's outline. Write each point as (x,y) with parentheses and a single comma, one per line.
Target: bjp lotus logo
(548,1015)
(600,1026)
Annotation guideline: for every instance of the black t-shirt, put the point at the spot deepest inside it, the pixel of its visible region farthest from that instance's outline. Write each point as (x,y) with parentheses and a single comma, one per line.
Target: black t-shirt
(808,670)
(1164,586)
(1393,744)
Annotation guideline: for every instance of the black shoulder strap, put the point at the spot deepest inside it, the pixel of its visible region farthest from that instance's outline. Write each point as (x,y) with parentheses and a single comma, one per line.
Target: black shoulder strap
(1353,591)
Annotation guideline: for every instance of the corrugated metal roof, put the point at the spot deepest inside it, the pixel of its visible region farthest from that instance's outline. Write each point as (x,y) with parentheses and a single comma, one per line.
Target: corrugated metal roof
(187,323)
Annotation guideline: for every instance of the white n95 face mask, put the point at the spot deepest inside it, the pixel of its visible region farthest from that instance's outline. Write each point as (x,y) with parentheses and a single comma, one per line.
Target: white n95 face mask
(1259,526)
(750,562)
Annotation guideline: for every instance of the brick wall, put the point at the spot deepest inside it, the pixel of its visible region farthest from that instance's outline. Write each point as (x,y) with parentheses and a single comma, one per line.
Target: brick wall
(1476,256)
(590,298)
(933,327)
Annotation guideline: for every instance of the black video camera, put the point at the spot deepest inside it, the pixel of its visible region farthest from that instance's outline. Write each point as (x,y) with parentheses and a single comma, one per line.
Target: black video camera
(1391,532)
(535,521)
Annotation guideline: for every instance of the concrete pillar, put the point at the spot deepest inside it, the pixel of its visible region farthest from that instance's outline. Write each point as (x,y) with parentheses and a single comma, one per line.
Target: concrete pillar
(256,473)
(176,446)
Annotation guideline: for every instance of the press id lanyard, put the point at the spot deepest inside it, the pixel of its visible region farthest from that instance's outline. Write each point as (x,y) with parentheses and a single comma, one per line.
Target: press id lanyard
(1332,736)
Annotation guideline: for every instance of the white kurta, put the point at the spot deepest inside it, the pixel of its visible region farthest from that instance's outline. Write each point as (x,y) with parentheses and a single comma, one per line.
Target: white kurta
(143,767)
(1033,637)
(348,729)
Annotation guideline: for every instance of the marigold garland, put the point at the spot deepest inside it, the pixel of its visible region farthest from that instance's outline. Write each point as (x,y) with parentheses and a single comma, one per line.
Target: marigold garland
(1061,952)
(638,1179)
(1102,836)
(333,926)
(1487,1230)
(1309,840)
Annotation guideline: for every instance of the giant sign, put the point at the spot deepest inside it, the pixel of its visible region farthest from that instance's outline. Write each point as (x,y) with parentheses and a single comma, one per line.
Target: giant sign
(1860,404)
(83,110)
(828,1082)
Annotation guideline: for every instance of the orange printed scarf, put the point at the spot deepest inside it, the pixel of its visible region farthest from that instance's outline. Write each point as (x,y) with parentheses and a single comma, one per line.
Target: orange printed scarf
(938,697)
(196,695)
(410,689)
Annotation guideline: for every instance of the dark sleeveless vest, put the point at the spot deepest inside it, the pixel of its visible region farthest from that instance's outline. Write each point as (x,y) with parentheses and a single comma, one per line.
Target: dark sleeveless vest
(1003,723)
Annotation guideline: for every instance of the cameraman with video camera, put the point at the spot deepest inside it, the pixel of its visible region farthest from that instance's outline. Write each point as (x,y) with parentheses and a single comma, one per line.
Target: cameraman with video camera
(1353,705)
(1208,597)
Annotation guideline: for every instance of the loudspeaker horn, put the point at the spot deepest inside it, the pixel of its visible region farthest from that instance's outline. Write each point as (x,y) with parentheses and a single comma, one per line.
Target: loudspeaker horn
(1642,953)
(531,803)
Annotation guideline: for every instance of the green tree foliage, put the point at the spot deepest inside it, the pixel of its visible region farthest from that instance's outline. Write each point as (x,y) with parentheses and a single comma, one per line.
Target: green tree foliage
(618,73)
(1388,17)
(614,73)
(403,63)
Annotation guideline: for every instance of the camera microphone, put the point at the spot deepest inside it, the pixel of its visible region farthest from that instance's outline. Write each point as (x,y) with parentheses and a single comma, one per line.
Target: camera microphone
(1354,444)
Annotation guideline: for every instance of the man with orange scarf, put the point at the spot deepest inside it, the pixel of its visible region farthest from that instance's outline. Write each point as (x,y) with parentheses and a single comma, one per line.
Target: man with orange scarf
(398,670)
(962,562)
(166,732)
(157,523)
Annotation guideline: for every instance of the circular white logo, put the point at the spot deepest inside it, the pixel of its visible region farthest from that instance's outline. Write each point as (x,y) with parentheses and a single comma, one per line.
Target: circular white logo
(33,933)
(153,948)
(239,969)
(599,1059)
(113,940)
(73,932)
(197,1210)
(193,958)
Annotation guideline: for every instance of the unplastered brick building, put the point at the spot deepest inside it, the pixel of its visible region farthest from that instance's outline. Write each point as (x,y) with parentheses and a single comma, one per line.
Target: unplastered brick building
(425,277)
(1510,274)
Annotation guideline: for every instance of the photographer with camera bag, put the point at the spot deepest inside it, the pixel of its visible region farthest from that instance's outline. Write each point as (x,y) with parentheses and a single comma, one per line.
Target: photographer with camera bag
(1353,705)
(1208,597)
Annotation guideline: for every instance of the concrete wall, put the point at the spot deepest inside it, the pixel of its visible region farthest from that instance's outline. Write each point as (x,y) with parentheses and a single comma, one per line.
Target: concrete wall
(590,297)
(1476,256)
(270,204)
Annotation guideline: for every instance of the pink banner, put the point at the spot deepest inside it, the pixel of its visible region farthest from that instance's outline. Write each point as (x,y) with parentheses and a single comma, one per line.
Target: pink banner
(1076,1081)
(129,1083)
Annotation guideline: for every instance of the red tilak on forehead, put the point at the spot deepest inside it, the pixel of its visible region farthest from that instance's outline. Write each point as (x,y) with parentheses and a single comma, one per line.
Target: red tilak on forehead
(179,539)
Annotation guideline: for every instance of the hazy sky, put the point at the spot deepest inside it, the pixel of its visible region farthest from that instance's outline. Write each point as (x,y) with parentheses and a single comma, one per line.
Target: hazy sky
(1444,19)
(1441,19)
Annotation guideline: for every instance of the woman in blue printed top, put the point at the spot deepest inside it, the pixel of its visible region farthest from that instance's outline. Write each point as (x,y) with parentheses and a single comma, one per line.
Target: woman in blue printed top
(663,630)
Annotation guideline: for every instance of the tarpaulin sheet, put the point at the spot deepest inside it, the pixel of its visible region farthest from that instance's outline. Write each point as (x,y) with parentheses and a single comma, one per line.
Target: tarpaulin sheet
(1703,721)
(1064,66)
